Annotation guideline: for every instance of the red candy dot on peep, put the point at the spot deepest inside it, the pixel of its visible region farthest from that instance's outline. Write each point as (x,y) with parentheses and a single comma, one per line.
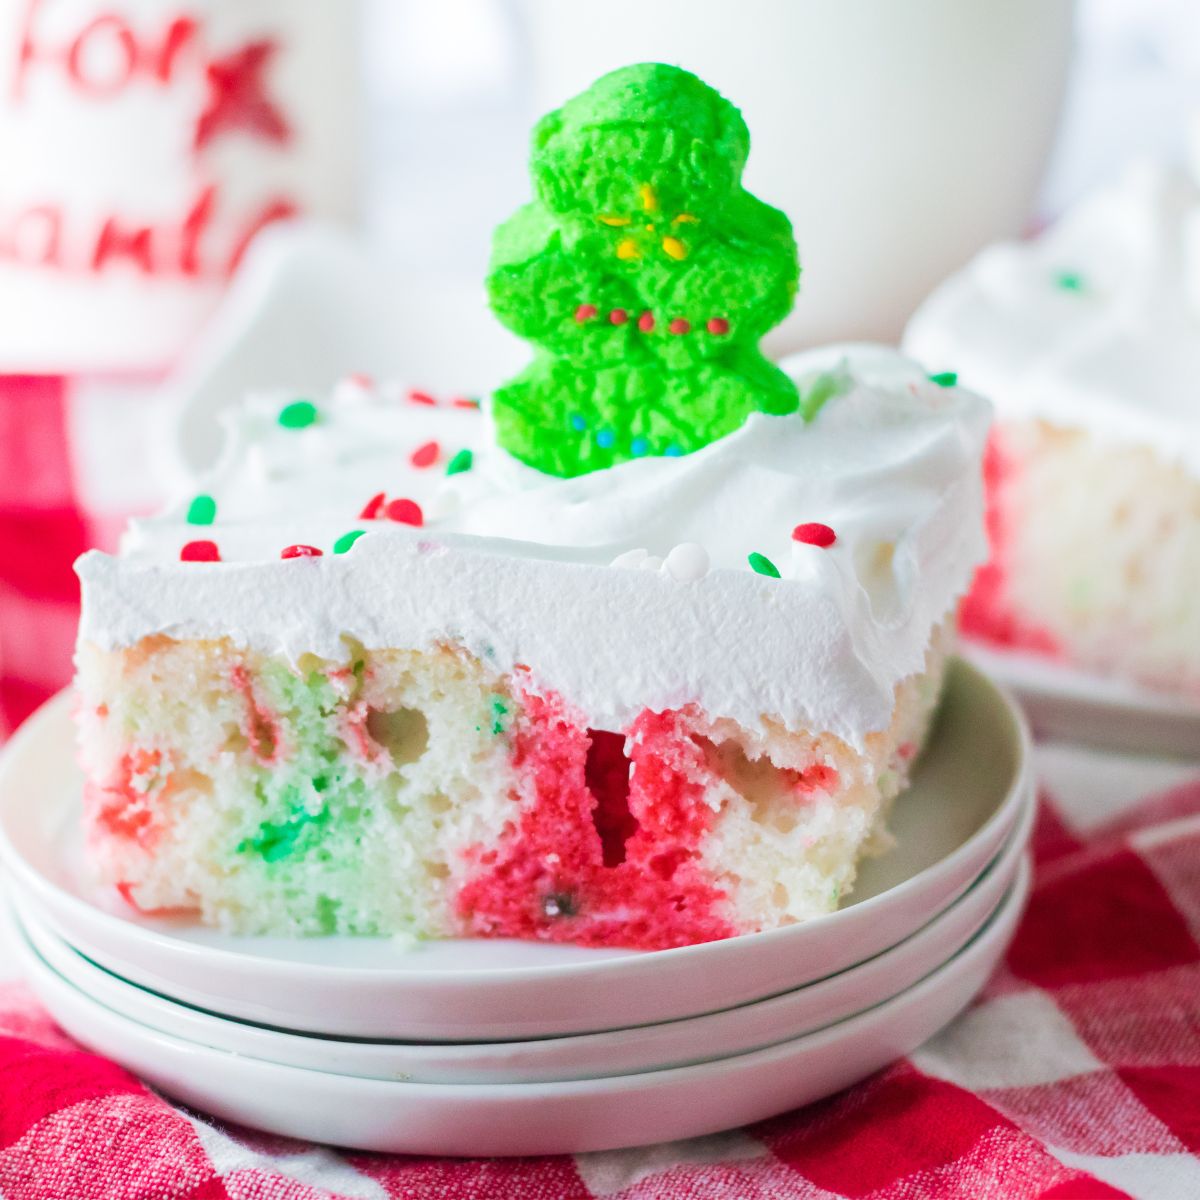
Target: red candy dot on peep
(814,534)
(200,552)
(646,322)
(680,325)
(371,508)
(585,312)
(300,551)
(422,398)
(426,455)
(718,325)
(407,512)
(618,316)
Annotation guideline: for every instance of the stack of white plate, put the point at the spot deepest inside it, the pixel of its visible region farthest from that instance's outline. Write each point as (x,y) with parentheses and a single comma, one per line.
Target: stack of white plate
(478,1047)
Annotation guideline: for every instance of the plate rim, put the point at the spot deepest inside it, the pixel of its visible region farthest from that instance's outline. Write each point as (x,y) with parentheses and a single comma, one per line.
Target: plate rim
(999,927)
(1003,871)
(1005,814)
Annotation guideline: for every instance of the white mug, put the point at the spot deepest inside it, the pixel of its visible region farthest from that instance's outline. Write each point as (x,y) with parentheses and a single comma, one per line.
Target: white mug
(900,136)
(142,145)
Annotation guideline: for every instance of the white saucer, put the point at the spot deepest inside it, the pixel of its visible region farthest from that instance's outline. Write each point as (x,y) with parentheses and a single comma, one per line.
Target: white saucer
(967,792)
(587,1056)
(533,1118)
(1065,702)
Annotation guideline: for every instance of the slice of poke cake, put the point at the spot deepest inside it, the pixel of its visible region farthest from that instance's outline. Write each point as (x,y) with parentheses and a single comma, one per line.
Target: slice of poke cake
(639,652)
(1087,339)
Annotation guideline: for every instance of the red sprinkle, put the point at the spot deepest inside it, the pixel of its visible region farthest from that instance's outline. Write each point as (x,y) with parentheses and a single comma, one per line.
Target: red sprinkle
(718,325)
(200,552)
(814,534)
(618,316)
(422,398)
(426,455)
(646,322)
(371,508)
(465,402)
(585,312)
(680,325)
(300,551)
(407,512)
(360,380)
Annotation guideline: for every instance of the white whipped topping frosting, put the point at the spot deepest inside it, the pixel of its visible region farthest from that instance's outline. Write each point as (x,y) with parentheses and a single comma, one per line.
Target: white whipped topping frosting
(1094,325)
(625,589)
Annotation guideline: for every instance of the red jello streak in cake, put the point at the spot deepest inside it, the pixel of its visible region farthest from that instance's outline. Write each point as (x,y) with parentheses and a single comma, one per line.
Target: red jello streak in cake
(259,726)
(126,892)
(125,806)
(986,612)
(548,878)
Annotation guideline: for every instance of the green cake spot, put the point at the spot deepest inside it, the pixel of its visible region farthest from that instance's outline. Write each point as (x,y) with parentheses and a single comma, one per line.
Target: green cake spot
(325,911)
(461,462)
(202,510)
(643,274)
(275,841)
(499,713)
(347,540)
(761,564)
(298,415)
(945,379)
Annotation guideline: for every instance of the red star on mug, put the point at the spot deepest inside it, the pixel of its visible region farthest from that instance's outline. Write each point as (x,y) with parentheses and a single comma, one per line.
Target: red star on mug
(237,99)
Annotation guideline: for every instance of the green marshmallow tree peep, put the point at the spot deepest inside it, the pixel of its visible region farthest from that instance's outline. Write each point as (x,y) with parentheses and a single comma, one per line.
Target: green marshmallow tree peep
(643,274)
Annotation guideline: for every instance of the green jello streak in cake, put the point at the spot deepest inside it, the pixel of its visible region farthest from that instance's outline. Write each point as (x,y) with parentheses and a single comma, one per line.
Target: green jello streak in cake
(276,841)
(499,712)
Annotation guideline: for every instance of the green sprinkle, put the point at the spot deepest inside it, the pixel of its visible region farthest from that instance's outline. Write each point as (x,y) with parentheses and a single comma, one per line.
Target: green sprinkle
(1070,281)
(499,712)
(461,462)
(298,415)
(945,379)
(818,391)
(347,540)
(202,510)
(763,565)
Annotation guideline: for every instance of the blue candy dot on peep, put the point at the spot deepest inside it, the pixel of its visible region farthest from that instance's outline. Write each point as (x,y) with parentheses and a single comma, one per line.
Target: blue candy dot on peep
(605,438)
(673,451)
(578,423)
(638,447)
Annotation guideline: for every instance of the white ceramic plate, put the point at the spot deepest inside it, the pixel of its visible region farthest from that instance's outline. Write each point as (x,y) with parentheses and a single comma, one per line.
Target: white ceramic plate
(586,1056)
(967,792)
(534,1118)
(1064,702)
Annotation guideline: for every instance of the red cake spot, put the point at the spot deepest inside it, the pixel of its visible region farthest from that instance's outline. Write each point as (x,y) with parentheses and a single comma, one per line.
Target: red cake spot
(126,891)
(354,734)
(986,612)
(125,806)
(606,773)
(260,727)
(601,853)
(818,778)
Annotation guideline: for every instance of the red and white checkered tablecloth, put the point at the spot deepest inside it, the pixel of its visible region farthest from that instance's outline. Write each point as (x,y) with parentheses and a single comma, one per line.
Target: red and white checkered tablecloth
(1076,1074)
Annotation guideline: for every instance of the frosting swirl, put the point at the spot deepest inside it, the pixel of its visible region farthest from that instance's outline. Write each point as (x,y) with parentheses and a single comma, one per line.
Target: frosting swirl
(519,566)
